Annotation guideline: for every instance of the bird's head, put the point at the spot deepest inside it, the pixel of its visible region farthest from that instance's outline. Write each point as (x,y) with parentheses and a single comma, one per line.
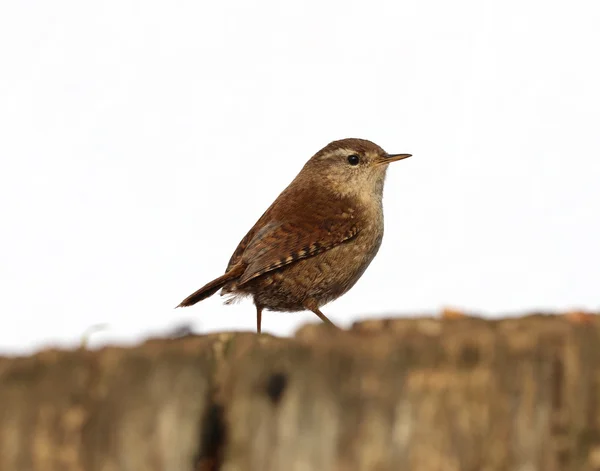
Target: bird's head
(351,167)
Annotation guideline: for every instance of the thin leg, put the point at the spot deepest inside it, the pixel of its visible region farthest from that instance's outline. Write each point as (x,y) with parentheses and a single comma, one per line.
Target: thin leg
(323,317)
(258,318)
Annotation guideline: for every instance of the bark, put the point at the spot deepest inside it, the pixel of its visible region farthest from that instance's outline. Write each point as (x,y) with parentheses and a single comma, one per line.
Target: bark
(405,394)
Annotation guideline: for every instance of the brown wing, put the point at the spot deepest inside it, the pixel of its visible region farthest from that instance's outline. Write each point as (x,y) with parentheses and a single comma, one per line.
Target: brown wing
(280,243)
(239,251)
(299,224)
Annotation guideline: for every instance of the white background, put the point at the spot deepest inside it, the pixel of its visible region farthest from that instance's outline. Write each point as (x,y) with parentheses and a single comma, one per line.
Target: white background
(140,140)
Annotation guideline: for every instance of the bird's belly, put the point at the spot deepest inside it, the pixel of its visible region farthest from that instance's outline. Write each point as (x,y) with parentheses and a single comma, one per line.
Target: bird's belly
(321,278)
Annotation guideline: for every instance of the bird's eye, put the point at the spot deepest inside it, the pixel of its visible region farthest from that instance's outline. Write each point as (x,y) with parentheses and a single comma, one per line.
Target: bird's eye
(353,159)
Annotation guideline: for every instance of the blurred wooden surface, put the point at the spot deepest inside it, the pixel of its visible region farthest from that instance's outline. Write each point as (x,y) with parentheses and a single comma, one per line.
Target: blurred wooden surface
(426,394)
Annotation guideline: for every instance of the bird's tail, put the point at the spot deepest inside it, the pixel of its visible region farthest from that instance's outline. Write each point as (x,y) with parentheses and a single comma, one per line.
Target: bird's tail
(211,288)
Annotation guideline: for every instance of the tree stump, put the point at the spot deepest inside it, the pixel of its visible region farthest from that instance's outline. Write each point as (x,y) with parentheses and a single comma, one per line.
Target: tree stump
(426,394)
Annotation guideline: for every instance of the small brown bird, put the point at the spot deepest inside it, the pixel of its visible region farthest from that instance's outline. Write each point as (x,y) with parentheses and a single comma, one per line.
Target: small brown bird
(318,237)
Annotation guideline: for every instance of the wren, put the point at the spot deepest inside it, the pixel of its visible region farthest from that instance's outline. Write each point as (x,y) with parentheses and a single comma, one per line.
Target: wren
(317,238)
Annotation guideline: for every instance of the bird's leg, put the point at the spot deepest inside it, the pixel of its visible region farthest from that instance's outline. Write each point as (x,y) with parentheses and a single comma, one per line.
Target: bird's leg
(323,317)
(258,318)
(313,306)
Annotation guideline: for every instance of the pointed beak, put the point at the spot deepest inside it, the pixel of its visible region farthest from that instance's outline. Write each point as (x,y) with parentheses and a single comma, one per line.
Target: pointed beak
(388,158)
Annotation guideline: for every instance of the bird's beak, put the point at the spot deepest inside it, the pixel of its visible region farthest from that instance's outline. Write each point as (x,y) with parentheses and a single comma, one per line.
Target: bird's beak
(388,158)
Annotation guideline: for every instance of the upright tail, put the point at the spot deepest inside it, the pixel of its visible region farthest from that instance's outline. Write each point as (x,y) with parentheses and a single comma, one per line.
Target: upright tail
(211,288)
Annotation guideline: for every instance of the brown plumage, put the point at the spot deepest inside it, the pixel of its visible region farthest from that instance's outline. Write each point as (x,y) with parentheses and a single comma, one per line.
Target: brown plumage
(317,238)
